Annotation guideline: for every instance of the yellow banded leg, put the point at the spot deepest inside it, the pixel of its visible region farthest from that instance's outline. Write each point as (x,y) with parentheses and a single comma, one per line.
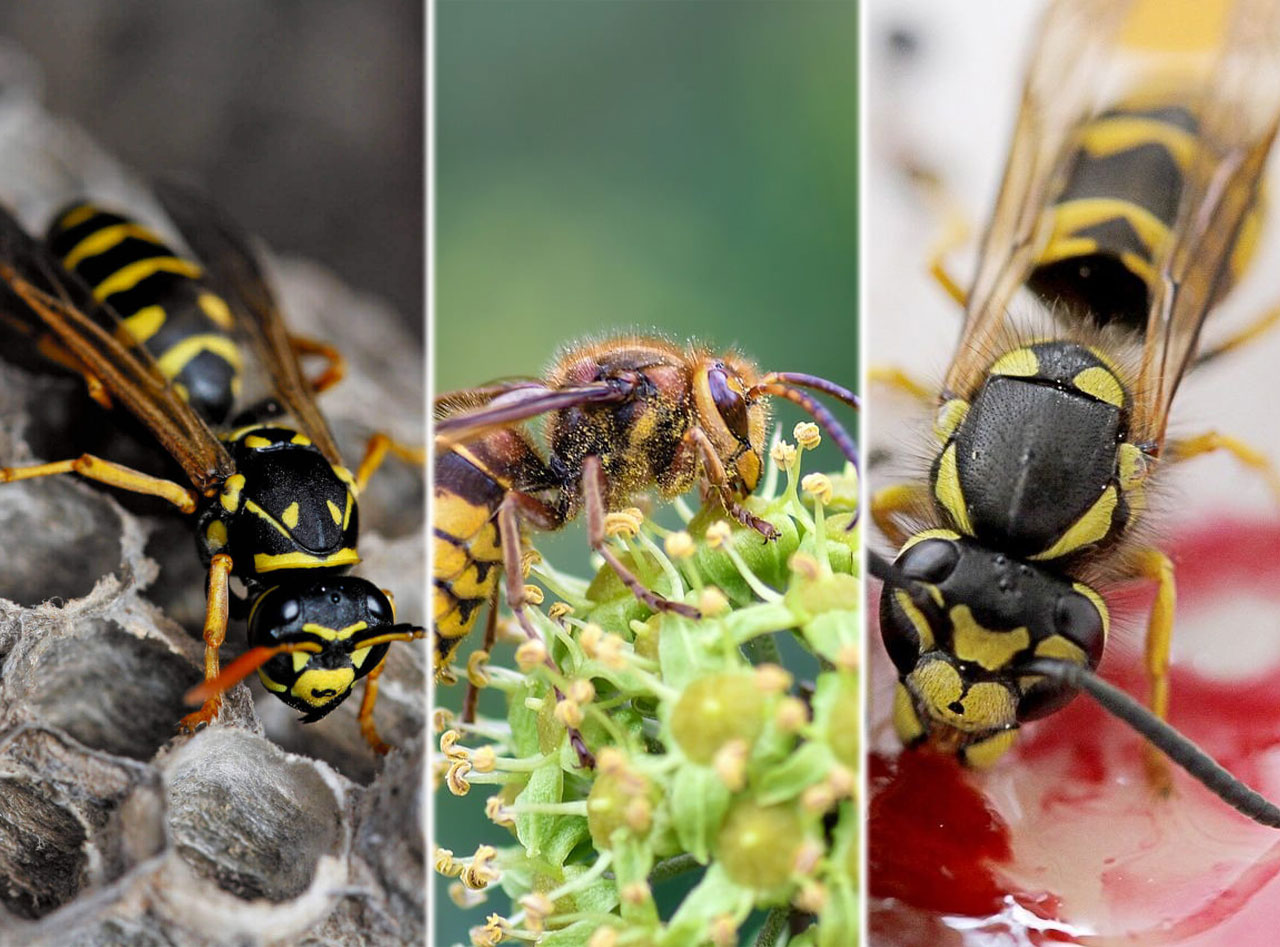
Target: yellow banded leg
(48,346)
(888,502)
(1207,443)
(215,632)
(955,227)
(895,377)
(375,452)
(1154,565)
(1250,333)
(365,717)
(113,475)
(336,369)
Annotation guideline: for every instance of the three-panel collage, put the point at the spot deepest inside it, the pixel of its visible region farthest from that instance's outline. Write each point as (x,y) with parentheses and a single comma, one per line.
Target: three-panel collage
(665,473)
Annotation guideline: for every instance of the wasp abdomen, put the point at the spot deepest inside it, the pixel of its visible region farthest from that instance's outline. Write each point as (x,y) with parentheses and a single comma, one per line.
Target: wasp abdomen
(161,299)
(286,509)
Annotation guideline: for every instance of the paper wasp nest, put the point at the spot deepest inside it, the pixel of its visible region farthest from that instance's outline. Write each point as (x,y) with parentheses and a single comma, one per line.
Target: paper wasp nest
(113,830)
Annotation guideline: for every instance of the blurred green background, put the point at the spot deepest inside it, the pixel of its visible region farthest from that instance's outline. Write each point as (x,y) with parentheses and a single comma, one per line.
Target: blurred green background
(682,167)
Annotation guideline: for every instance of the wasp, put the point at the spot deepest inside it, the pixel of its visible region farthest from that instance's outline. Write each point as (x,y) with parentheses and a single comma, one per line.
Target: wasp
(623,416)
(1128,209)
(161,336)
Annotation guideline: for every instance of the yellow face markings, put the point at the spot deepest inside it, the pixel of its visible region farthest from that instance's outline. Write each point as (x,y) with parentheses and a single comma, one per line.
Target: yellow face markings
(1131,465)
(100,241)
(985,706)
(1101,384)
(950,416)
(1020,363)
(175,359)
(991,649)
(983,753)
(143,324)
(748,467)
(928,534)
(290,515)
(216,534)
(318,686)
(946,488)
(334,634)
(263,562)
(130,276)
(215,307)
(269,684)
(918,621)
(359,657)
(1098,603)
(230,497)
(905,719)
(300,659)
(1091,527)
(1056,646)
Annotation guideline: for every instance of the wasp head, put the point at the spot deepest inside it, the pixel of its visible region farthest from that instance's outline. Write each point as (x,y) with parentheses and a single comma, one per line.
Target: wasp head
(960,636)
(340,617)
(733,422)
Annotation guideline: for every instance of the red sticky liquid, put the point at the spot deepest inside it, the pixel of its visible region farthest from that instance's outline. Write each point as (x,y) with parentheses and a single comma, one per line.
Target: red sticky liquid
(1063,842)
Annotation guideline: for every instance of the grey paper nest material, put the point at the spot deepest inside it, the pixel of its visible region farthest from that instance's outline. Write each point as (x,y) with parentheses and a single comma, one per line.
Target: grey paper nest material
(112,829)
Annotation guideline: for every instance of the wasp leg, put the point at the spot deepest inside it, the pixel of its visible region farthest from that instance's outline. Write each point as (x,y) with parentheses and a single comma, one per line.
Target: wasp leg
(895,377)
(472,697)
(48,346)
(509,530)
(888,502)
(713,470)
(215,632)
(1250,333)
(113,475)
(375,452)
(955,225)
(365,717)
(336,369)
(1154,565)
(1207,443)
(593,495)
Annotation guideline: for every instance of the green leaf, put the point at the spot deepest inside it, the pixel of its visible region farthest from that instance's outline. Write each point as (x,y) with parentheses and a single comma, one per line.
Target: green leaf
(699,801)
(577,934)
(713,896)
(537,830)
(805,766)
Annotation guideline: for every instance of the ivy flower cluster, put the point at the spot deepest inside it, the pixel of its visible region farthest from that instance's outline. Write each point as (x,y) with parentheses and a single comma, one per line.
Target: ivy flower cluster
(725,748)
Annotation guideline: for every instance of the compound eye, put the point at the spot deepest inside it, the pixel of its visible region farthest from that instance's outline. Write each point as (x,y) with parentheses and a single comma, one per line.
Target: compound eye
(379,608)
(273,615)
(930,561)
(726,392)
(1076,618)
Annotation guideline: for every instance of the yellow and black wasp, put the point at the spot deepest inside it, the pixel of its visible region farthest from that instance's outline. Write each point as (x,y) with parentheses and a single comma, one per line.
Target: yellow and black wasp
(1127,210)
(624,415)
(161,335)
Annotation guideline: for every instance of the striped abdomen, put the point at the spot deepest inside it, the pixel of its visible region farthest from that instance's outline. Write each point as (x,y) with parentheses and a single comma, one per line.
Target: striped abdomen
(1113,218)
(467,546)
(161,299)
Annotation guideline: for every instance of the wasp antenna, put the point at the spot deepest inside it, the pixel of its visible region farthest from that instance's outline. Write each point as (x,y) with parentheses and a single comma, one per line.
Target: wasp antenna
(403,632)
(1169,741)
(889,573)
(240,668)
(785,386)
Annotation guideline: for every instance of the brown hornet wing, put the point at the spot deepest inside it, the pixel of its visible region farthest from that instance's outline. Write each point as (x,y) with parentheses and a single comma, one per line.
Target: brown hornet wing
(1065,78)
(464,415)
(40,298)
(1239,112)
(232,269)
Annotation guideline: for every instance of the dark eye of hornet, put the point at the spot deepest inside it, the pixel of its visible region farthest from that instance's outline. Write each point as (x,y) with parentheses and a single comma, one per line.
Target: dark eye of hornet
(161,335)
(1127,213)
(623,416)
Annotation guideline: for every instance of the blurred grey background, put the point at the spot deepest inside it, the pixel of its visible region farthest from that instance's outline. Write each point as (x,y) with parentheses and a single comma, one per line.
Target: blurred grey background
(302,118)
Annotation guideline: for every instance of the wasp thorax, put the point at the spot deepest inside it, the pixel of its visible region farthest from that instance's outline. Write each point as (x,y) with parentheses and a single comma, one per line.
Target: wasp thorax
(734,423)
(335,615)
(960,639)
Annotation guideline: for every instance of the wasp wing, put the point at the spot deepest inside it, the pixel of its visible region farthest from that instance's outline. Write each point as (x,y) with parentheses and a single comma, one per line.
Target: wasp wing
(464,415)
(41,298)
(1068,66)
(1239,111)
(233,271)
